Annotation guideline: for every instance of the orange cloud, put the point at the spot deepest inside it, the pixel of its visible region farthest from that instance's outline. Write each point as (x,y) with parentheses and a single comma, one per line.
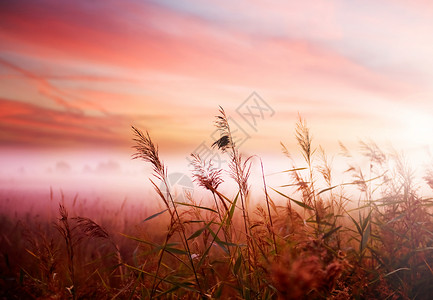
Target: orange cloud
(31,125)
(169,41)
(169,66)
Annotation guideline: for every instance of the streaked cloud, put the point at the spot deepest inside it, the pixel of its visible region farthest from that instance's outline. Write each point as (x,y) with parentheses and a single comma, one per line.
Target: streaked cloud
(80,73)
(31,125)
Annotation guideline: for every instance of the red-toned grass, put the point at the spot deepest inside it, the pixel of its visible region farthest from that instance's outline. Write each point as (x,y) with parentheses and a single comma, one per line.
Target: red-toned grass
(322,243)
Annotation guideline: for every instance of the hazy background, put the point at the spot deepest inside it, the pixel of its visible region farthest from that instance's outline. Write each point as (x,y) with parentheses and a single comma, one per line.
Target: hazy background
(75,75)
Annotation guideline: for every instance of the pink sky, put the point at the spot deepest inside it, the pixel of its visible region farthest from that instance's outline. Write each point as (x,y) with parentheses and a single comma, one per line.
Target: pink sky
(75,75)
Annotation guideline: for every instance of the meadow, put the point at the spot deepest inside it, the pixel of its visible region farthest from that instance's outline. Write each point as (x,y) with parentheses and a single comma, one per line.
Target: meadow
(370,237)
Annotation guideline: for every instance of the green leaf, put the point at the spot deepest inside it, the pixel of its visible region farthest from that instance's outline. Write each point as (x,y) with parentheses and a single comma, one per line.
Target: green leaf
(331,232)
(139,240)
(154,215)
(167,247)
(218,291)
(396,218)
(366,220)
(176,251)
(198,232)
(237,264)
(203,257)
(174,288)
(365,237)
(227,219)
(184,285)
(327,189)
(296,201)
(196,206)
(193,221)
(224,197)
(232,210)
(218,241)
(231,244)
(356,224)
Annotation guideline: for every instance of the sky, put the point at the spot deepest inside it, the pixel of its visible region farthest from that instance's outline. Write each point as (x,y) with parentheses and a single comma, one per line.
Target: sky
(75,75)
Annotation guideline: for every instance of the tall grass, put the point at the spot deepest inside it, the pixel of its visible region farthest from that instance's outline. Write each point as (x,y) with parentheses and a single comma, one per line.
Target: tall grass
(369,237)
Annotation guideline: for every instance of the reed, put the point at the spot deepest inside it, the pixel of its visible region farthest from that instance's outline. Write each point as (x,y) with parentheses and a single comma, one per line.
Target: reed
(369,236)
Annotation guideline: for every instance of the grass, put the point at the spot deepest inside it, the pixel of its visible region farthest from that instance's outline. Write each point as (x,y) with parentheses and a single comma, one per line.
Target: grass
(368,238)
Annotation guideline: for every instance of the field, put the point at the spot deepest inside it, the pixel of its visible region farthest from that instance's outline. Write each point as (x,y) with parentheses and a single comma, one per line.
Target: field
(370,237)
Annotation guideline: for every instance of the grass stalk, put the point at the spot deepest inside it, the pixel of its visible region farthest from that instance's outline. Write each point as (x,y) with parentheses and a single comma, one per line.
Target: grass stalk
(147,151)
(271,229)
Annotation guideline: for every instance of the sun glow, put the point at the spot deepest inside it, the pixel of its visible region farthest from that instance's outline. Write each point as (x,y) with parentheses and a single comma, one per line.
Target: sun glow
(417,128)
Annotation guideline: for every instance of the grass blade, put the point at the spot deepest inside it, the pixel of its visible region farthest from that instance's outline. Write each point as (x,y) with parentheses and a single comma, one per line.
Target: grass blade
(301,204)
(154,215)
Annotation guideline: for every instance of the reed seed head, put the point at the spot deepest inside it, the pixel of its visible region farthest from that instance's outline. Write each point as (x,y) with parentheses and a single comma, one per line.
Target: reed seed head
(206,175)
(147,151)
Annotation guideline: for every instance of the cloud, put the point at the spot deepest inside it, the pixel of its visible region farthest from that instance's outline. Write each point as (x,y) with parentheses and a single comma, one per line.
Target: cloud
(101,66)
(296,19)
(30,125)
(260,46)
(44,86)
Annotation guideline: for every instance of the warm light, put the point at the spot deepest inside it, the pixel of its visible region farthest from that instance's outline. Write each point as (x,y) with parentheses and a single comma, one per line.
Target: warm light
(417,128)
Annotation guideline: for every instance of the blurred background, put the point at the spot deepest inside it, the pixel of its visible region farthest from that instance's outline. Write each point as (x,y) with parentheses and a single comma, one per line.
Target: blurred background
(75,75)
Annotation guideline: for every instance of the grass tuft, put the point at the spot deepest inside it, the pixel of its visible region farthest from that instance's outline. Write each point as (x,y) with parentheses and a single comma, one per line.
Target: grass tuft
(369,236)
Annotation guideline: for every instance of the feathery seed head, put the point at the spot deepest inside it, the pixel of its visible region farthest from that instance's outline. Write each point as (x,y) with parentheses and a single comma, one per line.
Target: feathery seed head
(147,151)
(205,174)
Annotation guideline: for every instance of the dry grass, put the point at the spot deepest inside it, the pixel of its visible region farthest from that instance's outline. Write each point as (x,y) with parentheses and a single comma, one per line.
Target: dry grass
(375,242)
